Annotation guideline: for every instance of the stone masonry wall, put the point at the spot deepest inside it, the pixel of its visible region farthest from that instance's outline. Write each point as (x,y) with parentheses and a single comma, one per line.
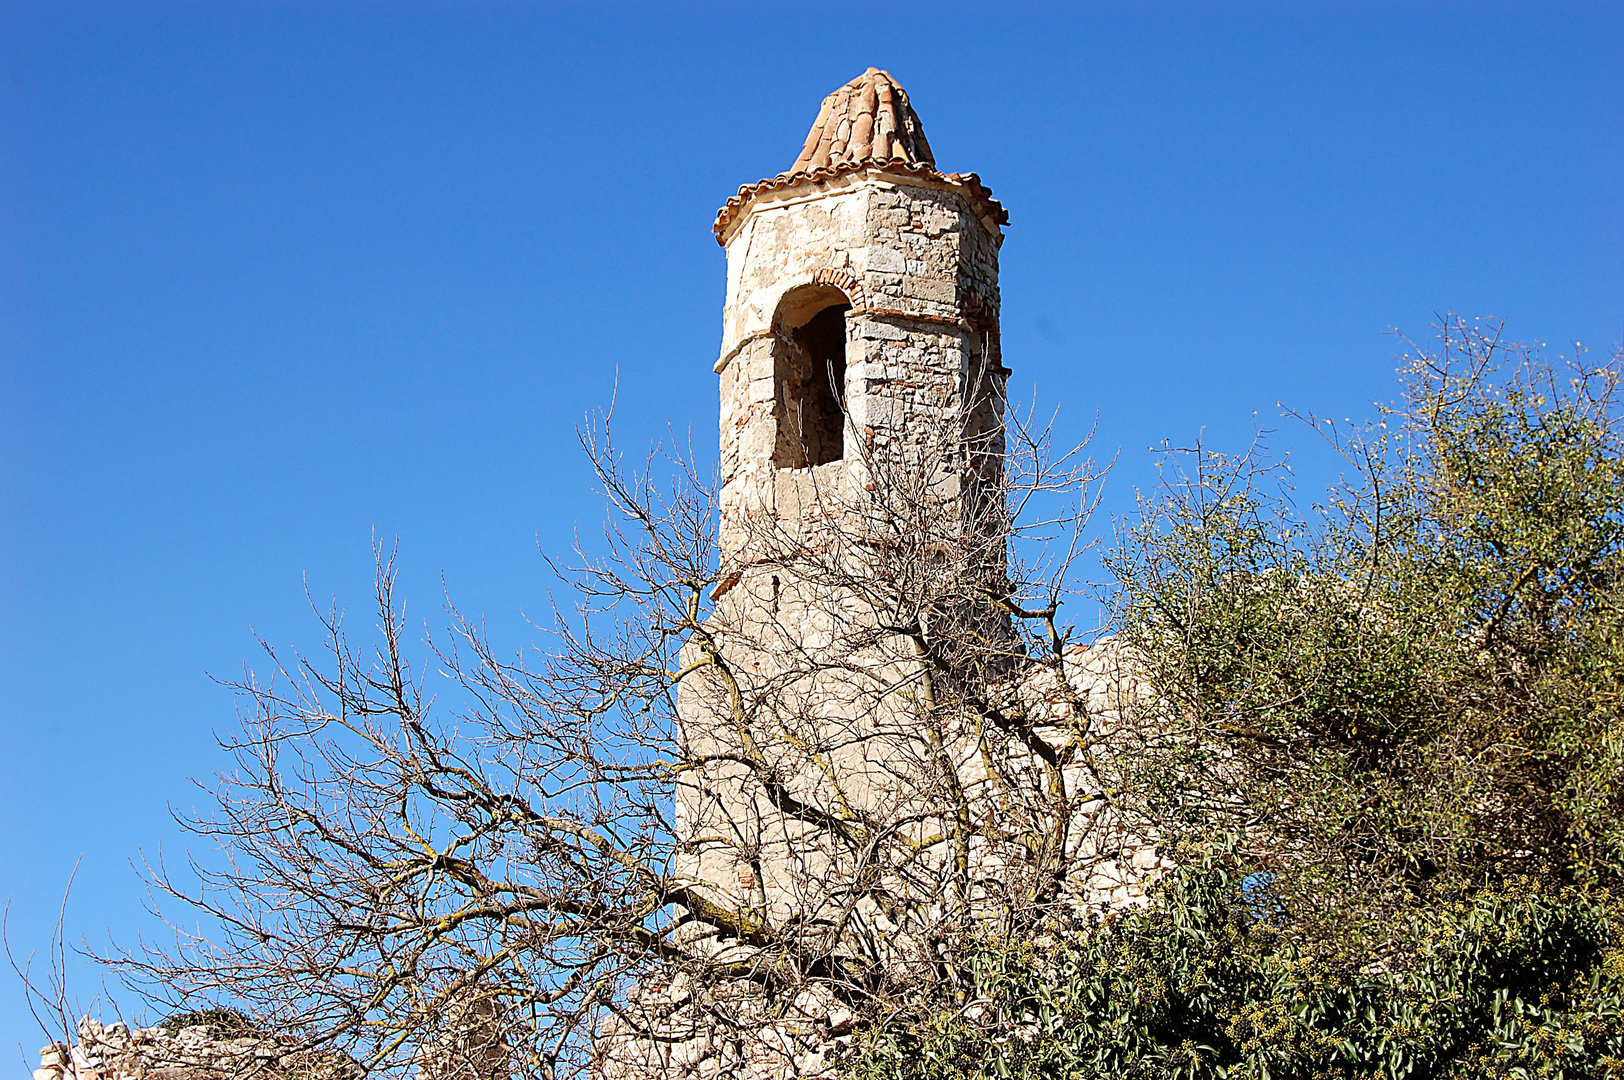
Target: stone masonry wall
(920,270)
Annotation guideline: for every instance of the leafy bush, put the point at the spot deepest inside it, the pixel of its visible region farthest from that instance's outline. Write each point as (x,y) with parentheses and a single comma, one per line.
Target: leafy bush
(1416,681)
(1394,721)
(1517,981)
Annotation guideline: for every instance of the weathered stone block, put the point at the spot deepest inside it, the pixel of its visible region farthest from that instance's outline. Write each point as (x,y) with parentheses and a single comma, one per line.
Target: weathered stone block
(880,330)
(936,290)
(880,257)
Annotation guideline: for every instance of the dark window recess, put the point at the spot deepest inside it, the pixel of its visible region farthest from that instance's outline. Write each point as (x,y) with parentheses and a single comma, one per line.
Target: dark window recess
(811,375)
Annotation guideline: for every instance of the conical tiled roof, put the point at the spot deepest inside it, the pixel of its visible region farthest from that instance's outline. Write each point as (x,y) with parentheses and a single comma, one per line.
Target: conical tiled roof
(865,124)
(867,121)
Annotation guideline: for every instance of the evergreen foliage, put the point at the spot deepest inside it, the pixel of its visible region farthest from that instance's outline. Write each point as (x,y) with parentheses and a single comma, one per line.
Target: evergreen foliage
(1518,980)
(1388,731)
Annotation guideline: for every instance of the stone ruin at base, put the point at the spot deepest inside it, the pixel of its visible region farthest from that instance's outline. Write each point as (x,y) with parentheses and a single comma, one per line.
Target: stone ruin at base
(228,1049)
(195,1052)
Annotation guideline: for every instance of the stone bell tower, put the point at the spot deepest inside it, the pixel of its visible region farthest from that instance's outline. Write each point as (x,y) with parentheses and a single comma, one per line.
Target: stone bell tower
(860,380)
(862,307)
(860,344)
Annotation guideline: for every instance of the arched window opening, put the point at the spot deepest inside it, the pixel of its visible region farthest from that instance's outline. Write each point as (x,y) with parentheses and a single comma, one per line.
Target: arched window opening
(809,361)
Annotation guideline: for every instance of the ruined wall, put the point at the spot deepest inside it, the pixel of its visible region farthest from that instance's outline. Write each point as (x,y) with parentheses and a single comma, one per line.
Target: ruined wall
(752,856)
(200,1052)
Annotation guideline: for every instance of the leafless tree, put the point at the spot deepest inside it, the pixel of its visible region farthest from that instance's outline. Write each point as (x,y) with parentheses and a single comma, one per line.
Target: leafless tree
(754,785)
(44,980)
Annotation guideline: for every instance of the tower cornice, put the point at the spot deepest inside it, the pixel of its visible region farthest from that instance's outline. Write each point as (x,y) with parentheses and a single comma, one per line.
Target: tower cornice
(988,210)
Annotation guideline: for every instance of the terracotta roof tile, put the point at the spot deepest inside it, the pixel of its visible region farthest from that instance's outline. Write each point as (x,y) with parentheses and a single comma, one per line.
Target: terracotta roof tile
(867,123)
(871,102)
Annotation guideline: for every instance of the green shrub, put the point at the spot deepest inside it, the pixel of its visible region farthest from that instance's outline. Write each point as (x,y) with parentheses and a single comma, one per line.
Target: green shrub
(1405,705)
(1517,981)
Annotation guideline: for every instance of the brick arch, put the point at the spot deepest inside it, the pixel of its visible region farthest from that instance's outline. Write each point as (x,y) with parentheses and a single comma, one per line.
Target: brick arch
(846,282)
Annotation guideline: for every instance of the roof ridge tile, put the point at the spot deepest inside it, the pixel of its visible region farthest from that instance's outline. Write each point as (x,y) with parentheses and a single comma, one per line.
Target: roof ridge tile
(867,123)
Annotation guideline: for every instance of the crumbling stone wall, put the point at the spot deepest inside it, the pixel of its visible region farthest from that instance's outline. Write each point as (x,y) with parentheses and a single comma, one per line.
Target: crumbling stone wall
(198,1052)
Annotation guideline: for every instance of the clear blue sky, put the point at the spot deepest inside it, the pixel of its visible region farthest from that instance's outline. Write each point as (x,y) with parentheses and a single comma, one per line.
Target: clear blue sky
(277,278)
